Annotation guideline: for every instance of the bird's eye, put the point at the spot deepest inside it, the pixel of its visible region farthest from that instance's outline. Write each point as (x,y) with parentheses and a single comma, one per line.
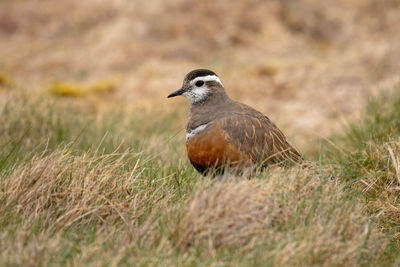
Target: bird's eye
(199,83)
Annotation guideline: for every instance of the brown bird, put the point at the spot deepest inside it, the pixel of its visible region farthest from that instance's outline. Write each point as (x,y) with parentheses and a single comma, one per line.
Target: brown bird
(221,132)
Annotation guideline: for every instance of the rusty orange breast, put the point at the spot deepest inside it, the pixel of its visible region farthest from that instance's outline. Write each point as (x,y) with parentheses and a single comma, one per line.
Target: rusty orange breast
(211,148)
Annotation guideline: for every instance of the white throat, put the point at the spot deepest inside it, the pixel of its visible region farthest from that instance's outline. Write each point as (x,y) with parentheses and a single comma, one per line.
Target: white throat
(197,94)
(196,131)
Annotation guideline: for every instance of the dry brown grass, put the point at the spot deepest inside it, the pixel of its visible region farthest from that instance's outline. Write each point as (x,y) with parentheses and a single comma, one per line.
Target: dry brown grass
(229,213)
(293,216)
(62,198)
(80,197)
(379,181)
(63,190)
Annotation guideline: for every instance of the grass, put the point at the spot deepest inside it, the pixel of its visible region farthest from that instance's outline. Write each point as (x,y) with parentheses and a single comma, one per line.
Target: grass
(32,125)
(368,162)
(83,188)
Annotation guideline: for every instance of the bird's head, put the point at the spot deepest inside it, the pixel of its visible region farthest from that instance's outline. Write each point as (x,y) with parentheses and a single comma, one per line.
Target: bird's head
(199,86)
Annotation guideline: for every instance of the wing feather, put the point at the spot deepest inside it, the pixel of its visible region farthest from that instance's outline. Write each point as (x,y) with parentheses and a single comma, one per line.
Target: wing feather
(257,136)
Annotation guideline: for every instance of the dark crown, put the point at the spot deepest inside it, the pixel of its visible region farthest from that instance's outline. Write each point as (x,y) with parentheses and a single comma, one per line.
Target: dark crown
(198,73)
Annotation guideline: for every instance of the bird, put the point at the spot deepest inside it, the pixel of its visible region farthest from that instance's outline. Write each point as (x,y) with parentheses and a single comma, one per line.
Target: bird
(222,133)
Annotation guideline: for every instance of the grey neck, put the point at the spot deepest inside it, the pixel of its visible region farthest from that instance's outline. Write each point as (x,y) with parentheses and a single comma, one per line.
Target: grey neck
(208,110)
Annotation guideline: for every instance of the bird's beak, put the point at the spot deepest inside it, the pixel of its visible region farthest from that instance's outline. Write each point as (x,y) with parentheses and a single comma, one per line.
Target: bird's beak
(176,93)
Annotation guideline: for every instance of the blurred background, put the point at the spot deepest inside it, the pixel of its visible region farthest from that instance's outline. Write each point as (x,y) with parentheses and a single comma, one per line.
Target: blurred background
(310,65)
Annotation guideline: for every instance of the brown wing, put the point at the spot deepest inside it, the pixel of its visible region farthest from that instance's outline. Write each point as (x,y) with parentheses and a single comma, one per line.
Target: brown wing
(258,137)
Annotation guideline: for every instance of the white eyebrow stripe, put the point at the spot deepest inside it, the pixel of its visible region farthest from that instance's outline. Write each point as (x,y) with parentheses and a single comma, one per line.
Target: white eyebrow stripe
(207,79)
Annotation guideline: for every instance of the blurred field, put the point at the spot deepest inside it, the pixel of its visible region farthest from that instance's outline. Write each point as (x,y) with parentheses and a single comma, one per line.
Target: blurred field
(305,63)
(93,169)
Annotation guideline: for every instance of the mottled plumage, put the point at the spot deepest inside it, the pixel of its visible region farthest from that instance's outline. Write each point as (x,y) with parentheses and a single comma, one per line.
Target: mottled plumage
(222,132)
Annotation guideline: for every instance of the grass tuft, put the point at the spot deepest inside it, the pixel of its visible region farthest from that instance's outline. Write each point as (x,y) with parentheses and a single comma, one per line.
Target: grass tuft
(99,190)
